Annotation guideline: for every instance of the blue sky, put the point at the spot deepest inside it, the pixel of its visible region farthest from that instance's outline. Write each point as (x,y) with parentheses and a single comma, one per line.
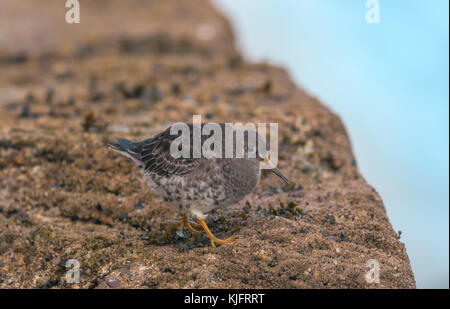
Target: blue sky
(389,84)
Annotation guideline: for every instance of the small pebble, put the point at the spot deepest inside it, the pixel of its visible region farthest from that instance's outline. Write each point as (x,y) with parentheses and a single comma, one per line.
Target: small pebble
(259,210)
(123,217)
(25,113)
(180,234)
(113,283)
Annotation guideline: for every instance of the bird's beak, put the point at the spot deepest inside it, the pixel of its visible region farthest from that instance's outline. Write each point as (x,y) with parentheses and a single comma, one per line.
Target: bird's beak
(277,172)
(280,174)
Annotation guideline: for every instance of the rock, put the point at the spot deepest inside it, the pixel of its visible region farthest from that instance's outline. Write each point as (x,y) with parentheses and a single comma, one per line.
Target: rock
(318,233)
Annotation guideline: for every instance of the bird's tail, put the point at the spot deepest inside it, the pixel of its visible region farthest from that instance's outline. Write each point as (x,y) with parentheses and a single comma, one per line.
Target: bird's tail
(128,148)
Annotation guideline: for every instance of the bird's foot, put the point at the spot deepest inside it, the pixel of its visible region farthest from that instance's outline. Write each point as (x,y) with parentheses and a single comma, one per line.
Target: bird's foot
(213,239)
(191,226)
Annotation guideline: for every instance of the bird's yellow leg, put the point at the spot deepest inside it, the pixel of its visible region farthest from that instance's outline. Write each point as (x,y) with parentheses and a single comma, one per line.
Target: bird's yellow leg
(192,224)
(213,238)
(184,222)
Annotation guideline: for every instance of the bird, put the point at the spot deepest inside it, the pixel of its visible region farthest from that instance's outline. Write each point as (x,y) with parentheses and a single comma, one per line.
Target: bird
(195,186)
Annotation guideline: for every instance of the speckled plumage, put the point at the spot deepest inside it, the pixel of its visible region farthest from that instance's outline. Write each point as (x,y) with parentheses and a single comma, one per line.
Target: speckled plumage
(192,185)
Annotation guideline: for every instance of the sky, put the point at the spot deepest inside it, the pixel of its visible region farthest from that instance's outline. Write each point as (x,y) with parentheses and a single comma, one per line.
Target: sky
(388,82)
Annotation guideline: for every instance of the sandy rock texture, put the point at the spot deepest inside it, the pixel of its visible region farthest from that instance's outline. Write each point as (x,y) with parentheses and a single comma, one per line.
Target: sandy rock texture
(130,69)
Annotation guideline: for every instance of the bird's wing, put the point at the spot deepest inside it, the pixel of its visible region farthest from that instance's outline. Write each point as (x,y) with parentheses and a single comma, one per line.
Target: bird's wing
(156,158)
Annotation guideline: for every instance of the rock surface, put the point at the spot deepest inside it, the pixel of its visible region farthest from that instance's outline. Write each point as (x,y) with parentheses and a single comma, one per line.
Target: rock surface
(130,69)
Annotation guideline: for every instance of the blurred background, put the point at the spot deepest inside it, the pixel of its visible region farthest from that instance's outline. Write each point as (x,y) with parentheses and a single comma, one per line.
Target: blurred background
(389,84)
